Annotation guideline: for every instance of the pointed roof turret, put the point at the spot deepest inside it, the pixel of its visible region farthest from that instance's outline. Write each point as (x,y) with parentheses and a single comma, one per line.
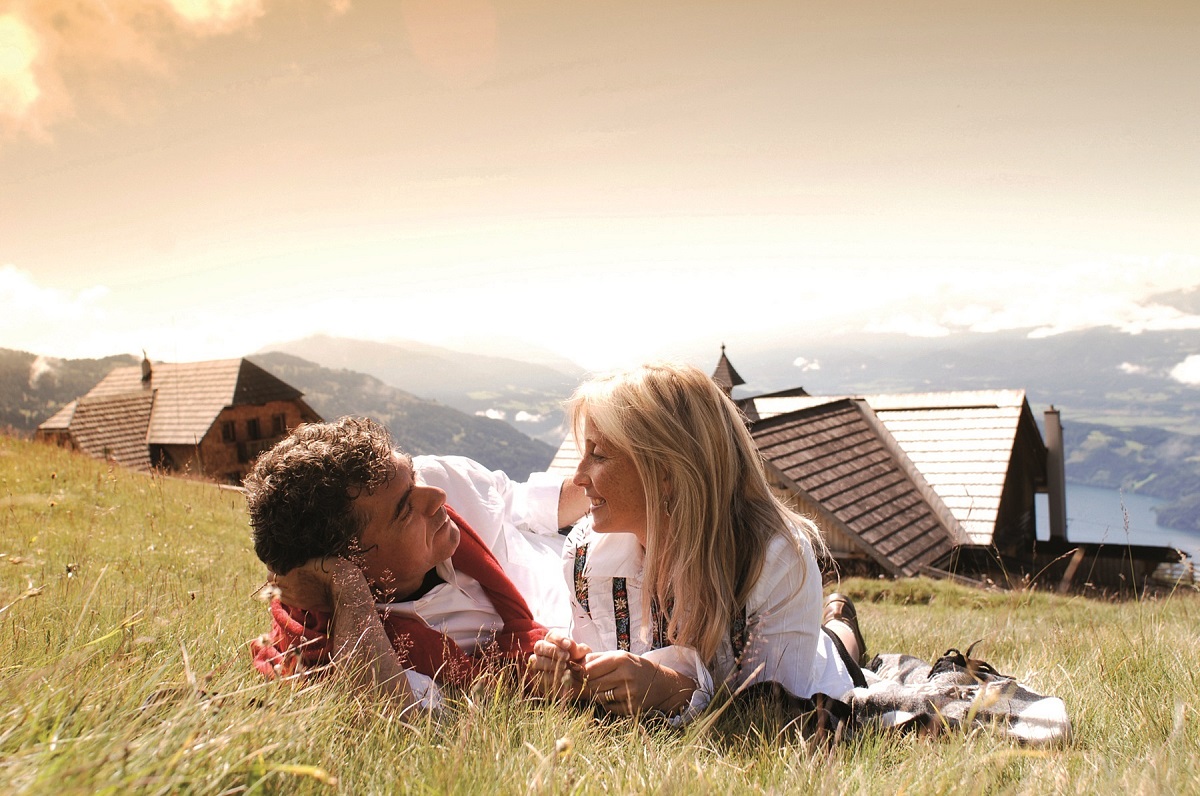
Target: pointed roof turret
(725,375)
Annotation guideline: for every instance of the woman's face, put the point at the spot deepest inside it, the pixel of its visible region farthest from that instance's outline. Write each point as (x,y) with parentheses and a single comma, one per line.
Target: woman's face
(611,483)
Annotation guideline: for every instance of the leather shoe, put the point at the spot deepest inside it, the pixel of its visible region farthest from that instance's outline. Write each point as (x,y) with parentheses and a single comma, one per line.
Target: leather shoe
(841,608)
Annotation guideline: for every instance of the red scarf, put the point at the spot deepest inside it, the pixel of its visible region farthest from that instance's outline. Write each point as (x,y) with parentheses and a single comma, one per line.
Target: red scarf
(301,636)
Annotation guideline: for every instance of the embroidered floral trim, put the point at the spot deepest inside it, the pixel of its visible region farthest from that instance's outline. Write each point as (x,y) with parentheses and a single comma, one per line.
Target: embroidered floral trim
(581,585)
(658,625)
(621,613)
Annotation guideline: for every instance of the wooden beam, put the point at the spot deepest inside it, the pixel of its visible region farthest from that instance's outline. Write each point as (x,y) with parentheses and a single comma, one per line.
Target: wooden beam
(1076,559)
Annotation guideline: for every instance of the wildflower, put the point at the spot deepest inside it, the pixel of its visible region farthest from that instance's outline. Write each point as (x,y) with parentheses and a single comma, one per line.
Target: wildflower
(564,746)
(268,593)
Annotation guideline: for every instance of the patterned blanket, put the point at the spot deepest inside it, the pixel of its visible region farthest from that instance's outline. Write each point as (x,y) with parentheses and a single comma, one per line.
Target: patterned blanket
(956,692)
(905,693)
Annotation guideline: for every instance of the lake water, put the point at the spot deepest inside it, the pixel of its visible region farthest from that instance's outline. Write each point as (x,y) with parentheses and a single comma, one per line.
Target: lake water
(1095,515)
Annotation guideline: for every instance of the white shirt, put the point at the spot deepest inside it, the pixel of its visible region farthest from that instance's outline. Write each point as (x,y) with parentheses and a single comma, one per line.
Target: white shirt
(519,523)
(784,640)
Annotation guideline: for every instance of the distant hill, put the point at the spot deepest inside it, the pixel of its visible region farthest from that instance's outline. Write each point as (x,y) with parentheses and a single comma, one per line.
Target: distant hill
(418,425)
(1139,460)
(527,395)
(33,388)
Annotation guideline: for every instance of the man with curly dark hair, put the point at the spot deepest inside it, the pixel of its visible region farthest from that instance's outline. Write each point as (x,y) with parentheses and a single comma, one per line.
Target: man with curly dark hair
(406,569)
(301,492)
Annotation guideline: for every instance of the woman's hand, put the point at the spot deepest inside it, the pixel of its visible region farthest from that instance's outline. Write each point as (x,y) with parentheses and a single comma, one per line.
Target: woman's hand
(627,684)
(555,668)
(310,586)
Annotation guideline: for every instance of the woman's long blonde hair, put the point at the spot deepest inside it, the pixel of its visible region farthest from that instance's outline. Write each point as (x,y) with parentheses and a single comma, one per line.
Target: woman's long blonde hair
(710,511)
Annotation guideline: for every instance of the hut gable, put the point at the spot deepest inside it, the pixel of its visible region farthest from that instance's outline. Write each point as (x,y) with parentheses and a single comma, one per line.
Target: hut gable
(846,469)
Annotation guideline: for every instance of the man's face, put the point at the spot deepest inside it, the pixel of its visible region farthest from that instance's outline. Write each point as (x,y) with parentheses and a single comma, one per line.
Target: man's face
(405,534)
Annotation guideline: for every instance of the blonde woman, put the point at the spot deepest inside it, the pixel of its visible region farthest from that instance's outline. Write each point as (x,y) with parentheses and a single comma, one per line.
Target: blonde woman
(688,573)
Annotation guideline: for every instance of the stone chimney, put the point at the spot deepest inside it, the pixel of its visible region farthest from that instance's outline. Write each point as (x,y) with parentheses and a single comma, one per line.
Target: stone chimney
(1056,475)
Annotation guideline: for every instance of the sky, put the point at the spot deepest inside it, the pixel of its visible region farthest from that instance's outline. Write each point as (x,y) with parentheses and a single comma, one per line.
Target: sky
(607,181)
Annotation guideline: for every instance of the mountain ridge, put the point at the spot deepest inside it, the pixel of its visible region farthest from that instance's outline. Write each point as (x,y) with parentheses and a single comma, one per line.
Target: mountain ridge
(526,395)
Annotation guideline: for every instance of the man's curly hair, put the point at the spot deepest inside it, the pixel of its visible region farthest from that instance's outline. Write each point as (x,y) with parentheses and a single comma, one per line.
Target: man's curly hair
(301,492)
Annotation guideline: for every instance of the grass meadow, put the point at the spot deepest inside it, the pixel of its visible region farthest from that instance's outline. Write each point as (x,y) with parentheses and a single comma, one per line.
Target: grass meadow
(126,607)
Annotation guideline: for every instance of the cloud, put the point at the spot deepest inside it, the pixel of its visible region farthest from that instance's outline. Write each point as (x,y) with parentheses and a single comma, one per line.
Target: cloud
(1187,300)
(31,314)
(1132,369)
(1187,371)
(42,367)
(528,417)
(64,52)
(57,56)
(494,414)
(18,49)
(213,16)
(1122,314)
(1062,297)
(908,324)
(1057,313)
(806,364)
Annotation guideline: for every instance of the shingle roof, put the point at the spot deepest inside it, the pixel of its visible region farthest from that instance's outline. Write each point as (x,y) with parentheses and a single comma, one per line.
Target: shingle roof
(114,427)
(961,442)
(844,460)
(190,395)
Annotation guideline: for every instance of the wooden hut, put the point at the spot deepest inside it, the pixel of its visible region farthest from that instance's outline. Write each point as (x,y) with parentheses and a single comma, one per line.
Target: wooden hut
(205,418)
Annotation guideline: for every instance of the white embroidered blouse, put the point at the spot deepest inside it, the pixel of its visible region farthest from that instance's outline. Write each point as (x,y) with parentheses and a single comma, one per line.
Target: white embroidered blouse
(781,639)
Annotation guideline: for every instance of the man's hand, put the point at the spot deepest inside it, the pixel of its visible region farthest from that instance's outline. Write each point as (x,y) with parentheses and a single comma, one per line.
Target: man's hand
(555,669)
(310,586)
(359,641)
(627,684)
